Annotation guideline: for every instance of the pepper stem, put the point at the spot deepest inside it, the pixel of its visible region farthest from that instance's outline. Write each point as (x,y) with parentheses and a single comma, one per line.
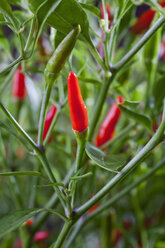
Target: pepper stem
(81,142)
(45,102)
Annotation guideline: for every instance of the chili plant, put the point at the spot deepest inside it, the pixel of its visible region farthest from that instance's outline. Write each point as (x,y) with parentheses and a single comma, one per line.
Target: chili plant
(82,123)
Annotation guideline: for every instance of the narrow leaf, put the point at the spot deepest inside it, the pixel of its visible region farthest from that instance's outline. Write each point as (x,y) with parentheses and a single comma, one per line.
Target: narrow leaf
(107,162)
(81,177)
(132,104)
(95,11)
(142,119)
(13,220)
(23,173)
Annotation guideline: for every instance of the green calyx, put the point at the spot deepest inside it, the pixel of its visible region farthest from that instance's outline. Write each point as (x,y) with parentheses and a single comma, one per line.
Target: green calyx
(81,137)
(60,55)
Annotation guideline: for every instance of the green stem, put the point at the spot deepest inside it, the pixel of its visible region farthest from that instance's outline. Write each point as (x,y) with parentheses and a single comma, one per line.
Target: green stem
(99,104)
(62,236)
(83,221)
(12,180)
(19,128)
(97,57)
(21,45)
(45,101)
(51,203)
(51,176)
(31,32)
(113,37)
(154,141)
(139,45)
(79,156)
(38,151)
(59,108)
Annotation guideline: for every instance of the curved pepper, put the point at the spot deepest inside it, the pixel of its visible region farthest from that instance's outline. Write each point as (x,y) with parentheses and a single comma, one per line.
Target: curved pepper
(48,120)
(59,57)
(107,128)
(144,21)
(19,88)
(78,110)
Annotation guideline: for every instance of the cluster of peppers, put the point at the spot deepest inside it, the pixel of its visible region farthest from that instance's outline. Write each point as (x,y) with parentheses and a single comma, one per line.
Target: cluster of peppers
(78,110)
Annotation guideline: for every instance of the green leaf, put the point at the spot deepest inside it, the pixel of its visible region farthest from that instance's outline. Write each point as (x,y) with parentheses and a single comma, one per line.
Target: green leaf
(23,173)
(95,11)
(81,177)
(107,162)
(50,185)
(10,130)
(15,2)
(58,38)
(59,14)
(34,5)
(132,104)
(159,91)
(13,220)
(6,10)
(140,118)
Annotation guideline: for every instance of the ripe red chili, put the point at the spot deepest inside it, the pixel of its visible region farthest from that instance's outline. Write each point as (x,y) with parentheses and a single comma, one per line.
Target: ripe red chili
(48,120)
(29,222)
(19,88)
(117,236)
(145,20)
(77,108)
(107,128)
(41,236)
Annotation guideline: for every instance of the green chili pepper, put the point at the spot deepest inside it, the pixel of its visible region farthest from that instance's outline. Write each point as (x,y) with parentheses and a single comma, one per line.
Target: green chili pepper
(59,57)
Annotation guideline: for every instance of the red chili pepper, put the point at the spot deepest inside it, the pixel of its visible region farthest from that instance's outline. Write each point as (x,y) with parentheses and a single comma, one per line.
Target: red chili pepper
(41,236)
(117,236)
(29,222)
(48,120)
(19,88)
(77,108)
(107,128)
(145,20)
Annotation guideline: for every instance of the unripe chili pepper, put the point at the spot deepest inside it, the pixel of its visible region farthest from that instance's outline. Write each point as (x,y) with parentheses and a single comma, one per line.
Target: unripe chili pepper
(107,128)
(144,21)
(77,108)
(19,88)
(59,57)
(48,120)
(41,236)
